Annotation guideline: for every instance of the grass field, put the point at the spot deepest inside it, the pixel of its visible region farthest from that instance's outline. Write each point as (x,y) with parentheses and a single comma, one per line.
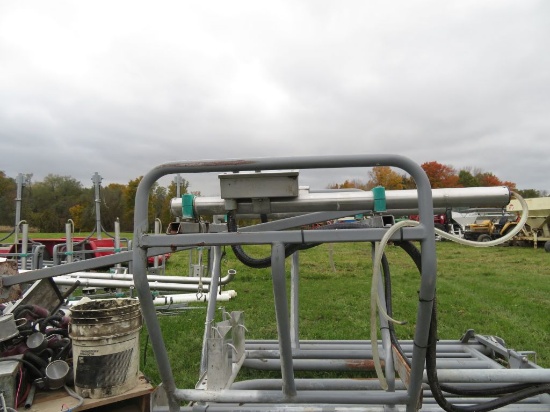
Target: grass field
(502,291)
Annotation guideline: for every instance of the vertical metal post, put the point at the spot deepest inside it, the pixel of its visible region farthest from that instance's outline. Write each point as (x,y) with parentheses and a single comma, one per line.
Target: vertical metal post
(178,181)
(117,241)
(211,309)
(69,242)
(157,231)
(24,245)
(139,269)
(96,178)
(294,300)
(281,312)
(18,197)
(426,294)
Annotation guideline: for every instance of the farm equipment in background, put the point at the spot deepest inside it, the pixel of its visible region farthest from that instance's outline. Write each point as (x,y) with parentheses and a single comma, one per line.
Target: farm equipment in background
(48,252)
(445,222)
(490,229)
(537,228)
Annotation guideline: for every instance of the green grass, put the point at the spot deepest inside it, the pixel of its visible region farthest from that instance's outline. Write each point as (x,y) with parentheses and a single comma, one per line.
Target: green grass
(502,291)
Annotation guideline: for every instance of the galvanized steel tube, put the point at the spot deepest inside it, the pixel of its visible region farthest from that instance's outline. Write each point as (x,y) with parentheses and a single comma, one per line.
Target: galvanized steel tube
(352,201)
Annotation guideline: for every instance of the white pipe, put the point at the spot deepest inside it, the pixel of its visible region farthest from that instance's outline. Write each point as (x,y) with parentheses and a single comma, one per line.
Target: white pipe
(155,278)
(192,297)
(108,283)
(185,298)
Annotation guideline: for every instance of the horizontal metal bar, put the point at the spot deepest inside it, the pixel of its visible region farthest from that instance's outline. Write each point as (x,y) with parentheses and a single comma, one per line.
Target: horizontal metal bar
(354,364)
(493,375)
(291,236)
(246,396)
(448,346)
(336,408)
(339,354)
(78,266)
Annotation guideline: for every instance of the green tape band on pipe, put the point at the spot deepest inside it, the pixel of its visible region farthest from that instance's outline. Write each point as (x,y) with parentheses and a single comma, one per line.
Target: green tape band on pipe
(379,196)
(187,201)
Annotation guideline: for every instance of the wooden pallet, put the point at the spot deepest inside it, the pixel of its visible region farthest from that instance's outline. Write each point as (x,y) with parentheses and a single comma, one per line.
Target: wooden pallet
(135,400)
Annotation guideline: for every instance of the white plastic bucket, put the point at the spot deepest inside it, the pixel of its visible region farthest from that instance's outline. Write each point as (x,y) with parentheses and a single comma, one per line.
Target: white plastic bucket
(105,340)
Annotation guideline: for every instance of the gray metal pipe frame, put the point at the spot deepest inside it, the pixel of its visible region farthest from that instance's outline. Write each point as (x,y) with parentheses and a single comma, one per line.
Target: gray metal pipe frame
(332,408)
(143,241)
(353,364)
(446,345)
(338,354)
(276,396)
(24,245)
(282,316)
(20,183)
(339,384)
(358,200)
(294,300)
(211,309)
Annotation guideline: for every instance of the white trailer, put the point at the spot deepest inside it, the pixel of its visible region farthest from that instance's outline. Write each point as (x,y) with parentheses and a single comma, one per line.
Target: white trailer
(537,228)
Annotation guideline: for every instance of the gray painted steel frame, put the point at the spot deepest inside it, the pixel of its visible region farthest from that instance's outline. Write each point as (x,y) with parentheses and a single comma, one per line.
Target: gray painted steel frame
(423,233)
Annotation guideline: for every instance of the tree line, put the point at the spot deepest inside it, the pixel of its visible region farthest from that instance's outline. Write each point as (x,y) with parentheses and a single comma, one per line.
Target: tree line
(439,175)
(48,205)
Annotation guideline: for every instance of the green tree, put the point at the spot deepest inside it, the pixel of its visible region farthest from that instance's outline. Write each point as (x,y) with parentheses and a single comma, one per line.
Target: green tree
(467,179)
(112,205)
(51,200)
(530,193)
(349,184)
(8,192)
(385,176)
(129,199)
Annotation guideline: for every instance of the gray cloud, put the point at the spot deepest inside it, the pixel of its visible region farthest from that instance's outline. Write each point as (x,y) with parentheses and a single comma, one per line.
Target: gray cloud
(121,87)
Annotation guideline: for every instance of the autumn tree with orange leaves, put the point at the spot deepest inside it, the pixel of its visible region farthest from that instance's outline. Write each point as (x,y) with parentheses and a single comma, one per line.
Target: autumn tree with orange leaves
(378,176)
(439,175)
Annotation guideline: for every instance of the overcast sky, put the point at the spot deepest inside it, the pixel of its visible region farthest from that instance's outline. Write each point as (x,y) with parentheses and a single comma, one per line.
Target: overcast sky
(118,87)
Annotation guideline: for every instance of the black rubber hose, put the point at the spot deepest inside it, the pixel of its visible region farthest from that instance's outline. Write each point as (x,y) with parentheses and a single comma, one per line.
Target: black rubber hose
(8,235)
(259,263)
(57,331)
(415,255)
(53,320)
(17,312)
(26,363)
(35,360)
(389,308)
